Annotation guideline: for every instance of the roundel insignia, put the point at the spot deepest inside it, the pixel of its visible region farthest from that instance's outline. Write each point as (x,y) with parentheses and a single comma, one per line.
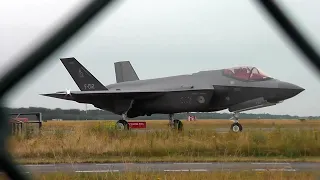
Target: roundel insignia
(201,99)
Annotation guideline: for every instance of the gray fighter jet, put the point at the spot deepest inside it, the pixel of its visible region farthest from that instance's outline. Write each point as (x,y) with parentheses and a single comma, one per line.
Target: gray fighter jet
(236,89)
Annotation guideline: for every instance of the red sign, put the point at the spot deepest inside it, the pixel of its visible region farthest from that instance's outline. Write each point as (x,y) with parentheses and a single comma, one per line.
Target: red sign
(20,119)
(137,125)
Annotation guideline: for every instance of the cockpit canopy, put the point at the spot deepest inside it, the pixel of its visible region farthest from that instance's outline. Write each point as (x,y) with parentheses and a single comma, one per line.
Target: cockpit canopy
(246,73)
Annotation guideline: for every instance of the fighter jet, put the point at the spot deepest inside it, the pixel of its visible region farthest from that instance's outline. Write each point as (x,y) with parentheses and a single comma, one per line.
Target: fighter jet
(237,89)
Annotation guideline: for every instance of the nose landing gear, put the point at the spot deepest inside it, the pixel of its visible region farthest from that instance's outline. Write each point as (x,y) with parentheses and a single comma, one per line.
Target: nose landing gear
(236,126)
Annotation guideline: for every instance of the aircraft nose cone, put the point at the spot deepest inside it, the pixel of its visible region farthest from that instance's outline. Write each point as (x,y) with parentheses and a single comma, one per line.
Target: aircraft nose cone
(289,90)
(290,86)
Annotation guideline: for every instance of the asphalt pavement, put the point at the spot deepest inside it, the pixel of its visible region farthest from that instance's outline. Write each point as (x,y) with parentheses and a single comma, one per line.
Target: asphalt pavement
(174,167)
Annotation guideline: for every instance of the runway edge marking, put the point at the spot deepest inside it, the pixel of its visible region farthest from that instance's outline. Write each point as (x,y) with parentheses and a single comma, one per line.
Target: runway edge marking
(112,164)
(271,163)
(192,163)
(185,170)
(38,165)
(96,171)
(290,170)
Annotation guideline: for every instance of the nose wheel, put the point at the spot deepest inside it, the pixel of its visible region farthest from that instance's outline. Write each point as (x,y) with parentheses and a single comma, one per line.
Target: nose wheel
(236,126)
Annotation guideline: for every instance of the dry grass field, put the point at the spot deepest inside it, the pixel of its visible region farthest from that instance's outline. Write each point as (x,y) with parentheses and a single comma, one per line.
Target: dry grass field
(182,176)
(95,141)
(203,124)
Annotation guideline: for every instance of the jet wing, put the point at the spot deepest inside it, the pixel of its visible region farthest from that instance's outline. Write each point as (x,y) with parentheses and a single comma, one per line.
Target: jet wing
(80,96)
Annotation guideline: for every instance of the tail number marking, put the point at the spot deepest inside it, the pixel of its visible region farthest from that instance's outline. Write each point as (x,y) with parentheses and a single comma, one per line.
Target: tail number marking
(88,86)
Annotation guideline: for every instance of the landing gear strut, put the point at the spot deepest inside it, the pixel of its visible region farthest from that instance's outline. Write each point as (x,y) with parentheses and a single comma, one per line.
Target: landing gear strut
(123,124)
(175,123)
(236,126)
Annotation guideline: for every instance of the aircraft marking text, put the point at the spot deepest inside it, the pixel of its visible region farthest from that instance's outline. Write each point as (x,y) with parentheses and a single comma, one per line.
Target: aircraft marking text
(88,86)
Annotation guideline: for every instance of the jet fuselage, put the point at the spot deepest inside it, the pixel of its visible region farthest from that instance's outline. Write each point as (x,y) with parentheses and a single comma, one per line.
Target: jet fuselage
(205,91)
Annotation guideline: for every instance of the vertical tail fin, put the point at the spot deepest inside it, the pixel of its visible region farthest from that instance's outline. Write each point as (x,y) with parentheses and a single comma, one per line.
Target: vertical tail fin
(125,72)
(81,76)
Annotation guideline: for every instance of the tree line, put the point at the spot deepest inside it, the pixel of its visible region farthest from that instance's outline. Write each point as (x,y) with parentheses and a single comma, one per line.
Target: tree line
(96,114)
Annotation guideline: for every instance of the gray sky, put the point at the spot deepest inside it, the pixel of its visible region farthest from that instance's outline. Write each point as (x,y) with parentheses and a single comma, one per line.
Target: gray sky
(161,38)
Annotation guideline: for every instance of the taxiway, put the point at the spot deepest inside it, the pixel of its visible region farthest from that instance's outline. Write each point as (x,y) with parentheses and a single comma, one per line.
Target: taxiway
(174,167)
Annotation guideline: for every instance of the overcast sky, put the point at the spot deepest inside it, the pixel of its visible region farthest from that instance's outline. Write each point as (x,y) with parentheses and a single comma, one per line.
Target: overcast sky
(161,38)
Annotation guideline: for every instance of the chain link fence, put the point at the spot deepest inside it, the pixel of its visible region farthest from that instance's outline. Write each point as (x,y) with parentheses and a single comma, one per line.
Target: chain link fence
(37,57)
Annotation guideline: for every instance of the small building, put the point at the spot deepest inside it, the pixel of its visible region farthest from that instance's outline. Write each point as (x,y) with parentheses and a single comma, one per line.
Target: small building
(192,118)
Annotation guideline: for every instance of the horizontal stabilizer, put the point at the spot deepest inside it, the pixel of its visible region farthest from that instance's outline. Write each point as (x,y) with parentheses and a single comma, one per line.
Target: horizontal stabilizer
(60,95)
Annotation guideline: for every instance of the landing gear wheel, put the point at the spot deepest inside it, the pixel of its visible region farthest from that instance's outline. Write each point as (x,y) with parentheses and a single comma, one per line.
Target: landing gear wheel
(122,125)
(236,127)
(177,124)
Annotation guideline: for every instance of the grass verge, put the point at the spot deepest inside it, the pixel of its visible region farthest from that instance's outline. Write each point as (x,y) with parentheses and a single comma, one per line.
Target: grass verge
(132,159)
(202,124)
(97,143)
(178,175)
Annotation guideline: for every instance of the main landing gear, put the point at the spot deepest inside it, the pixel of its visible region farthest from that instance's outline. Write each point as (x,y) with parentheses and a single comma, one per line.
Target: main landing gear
(175,123)
(236,126)
(122,124)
